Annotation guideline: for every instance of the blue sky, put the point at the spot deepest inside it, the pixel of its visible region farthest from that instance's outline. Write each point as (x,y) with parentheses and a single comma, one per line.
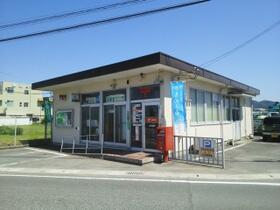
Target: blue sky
(195,34)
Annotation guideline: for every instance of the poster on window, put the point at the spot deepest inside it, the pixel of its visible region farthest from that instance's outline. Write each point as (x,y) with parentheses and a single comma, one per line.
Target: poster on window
(137,114)
(64,118)
(178,94)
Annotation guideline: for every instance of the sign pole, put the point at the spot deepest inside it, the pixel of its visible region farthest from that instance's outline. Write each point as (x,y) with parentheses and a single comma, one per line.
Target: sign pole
(15,137)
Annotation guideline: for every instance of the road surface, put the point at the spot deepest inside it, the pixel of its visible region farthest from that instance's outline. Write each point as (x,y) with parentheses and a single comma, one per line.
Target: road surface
(58,192)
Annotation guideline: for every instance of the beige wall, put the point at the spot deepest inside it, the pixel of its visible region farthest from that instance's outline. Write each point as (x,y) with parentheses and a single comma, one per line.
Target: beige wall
(18,96)
(96,85)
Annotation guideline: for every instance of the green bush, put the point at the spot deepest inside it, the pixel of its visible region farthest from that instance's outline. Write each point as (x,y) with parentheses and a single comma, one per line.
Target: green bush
(6,130)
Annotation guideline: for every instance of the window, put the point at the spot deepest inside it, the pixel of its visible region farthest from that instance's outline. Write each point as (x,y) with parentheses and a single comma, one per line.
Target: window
(26,92)
(226,113)
(235,102)
(40,103)
(91,98)
(25,104)
(193,105)
(20,104)
(64,118)
(10,103)
(114,96)
(0,102)
(200,106)
(10,89)
(145,92)
(205,106)
(216,107)
(209,105)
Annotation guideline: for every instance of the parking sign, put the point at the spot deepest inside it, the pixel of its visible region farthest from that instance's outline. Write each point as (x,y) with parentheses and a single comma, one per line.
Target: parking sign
(207,147)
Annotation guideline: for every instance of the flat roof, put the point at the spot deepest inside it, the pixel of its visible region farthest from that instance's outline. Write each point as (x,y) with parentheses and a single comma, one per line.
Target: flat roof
(147,60)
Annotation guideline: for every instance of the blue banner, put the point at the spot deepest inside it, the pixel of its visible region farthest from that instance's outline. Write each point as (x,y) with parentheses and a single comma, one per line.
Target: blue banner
(178,94)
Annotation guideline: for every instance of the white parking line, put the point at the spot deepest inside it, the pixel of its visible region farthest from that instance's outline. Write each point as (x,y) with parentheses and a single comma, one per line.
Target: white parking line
(143,180)
(17,154)
(28,161)
(47,151)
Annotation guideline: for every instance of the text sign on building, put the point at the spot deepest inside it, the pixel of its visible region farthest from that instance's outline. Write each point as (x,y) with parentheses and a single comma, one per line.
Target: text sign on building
(178,94)
(207,148)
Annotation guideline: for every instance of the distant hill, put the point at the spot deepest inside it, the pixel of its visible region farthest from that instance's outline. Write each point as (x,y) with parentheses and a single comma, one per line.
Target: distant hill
(263,104)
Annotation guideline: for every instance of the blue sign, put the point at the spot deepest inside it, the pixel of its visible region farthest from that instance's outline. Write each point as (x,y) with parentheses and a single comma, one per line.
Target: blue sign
(206,143)
(178,94)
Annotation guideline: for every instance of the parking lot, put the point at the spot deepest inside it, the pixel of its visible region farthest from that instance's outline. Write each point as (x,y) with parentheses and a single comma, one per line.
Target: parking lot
(257,159)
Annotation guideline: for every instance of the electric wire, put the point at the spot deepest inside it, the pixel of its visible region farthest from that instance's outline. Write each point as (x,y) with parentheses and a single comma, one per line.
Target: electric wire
(238,47)
(71,14)
(104,21)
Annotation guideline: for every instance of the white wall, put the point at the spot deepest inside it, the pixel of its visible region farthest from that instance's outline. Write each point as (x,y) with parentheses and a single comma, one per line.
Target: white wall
(225,130)
(13,121)
(101,85)
(204,130)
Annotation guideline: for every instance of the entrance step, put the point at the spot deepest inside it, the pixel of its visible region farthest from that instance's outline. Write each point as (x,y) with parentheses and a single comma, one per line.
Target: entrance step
(137,158)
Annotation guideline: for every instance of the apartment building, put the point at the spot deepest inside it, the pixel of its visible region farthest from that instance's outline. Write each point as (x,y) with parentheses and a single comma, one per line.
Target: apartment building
(18,99)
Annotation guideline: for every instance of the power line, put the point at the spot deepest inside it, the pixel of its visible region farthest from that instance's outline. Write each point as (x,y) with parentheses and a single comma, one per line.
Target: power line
(243,44)
(70,14)
(104,21)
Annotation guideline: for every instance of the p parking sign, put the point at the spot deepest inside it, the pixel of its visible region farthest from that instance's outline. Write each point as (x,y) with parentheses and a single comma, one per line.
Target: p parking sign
(207,143)
(207,148)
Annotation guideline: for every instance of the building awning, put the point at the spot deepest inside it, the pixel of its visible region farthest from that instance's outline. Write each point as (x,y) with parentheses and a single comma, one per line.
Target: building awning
(144,61)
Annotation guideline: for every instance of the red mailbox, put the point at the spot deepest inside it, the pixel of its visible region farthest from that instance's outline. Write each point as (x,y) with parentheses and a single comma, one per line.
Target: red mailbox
(164,141)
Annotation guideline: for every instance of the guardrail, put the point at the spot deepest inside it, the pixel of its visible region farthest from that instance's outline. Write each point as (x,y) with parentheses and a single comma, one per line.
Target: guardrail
(199,150)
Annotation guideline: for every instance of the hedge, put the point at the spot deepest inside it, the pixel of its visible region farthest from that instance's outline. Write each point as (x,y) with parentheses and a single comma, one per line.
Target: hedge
(6,130)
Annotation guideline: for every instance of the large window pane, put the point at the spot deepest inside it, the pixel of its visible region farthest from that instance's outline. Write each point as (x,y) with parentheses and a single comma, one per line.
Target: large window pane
(193,105)
(85,123)
(226,108)
(120,124)
(114,96)
(109,123)
(236,115)
(216,107)
(94,124)
(200,106)
(209,104)
(91,98)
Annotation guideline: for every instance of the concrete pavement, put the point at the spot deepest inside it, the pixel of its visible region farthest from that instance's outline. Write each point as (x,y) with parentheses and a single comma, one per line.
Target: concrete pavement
(256,160)
(62,193)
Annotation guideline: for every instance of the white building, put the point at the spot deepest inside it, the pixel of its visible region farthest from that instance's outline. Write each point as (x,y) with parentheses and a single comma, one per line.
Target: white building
(18,99)
(126,101)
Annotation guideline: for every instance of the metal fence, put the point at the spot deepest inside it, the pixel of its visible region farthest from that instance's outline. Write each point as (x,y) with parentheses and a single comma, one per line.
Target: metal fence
(199,150)
(83,147)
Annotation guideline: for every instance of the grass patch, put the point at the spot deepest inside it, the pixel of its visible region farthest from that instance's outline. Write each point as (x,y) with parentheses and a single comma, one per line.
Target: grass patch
(29,133)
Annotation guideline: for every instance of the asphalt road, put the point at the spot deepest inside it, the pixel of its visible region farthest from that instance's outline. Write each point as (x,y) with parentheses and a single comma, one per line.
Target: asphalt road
(64,193)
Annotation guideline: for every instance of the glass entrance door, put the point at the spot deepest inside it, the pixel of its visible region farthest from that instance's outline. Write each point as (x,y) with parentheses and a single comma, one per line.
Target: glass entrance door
(145,120)
(90,123)
(115,123)
(151,124)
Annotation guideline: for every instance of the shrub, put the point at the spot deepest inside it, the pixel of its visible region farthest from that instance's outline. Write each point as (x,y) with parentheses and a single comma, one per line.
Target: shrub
(6,130)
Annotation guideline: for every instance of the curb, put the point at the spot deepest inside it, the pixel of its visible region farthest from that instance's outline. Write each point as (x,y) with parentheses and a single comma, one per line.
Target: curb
(140,174)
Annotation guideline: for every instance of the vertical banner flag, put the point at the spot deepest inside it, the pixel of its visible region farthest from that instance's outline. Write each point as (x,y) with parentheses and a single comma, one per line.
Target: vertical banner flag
(47,109)
(178,94)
